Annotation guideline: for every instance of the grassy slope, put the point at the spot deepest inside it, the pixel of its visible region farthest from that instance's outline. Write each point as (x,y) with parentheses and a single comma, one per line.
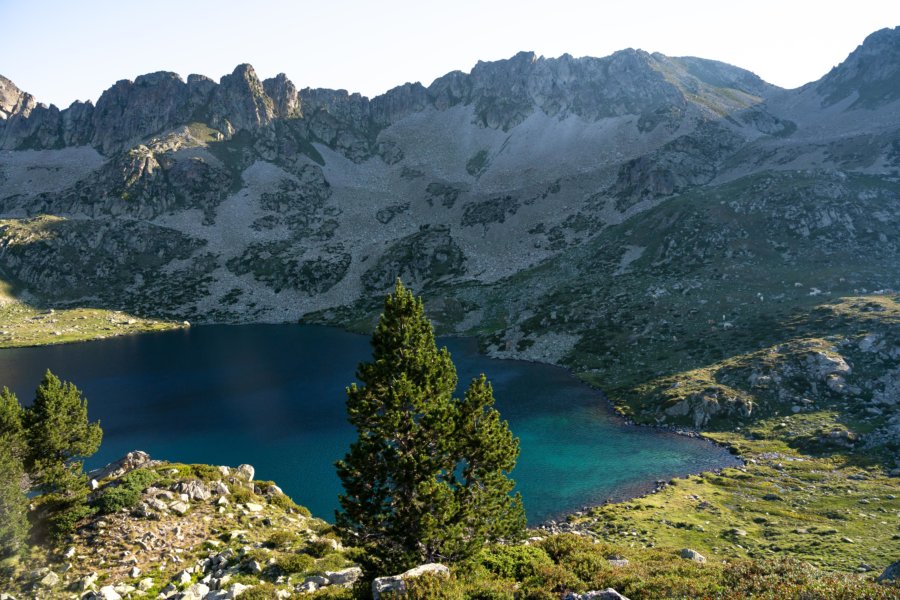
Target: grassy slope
(24,325)
(754,276)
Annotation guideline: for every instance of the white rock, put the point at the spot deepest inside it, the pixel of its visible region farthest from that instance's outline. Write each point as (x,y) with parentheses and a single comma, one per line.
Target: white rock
(49,580)
(179,507)
(236,589)
(397,583)
(87,582)
(108,592)
(254,567)
(253,507)
(344,576)
(198,591)
(195,490)
(693,555)
(245,471)
(183,578)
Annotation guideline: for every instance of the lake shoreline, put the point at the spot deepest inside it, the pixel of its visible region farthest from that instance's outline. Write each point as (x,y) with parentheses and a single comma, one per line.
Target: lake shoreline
(586,398)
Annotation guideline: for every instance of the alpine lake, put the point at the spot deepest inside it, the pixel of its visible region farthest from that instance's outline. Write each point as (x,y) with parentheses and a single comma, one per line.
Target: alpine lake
(274,396)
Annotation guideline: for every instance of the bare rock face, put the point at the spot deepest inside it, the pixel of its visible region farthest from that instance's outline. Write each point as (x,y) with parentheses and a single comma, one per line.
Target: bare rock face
(240,102)
(284,96)
(130,111)
(10,98)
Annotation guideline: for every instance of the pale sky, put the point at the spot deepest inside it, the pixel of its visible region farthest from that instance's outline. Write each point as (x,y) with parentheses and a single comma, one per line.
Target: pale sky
(63,50)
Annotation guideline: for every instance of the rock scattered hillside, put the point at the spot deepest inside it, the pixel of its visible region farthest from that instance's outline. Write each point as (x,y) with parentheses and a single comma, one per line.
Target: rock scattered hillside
(201,532)
(262,202)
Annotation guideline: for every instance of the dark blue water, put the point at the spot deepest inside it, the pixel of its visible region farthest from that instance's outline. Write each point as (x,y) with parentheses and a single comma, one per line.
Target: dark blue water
(273,396)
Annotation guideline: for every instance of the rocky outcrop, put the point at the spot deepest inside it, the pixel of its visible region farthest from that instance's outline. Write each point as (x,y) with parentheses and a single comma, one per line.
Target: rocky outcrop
(130,111)
(397,584)
(283,93)
(714,402)
(241,102)
(137,459)
(10,98)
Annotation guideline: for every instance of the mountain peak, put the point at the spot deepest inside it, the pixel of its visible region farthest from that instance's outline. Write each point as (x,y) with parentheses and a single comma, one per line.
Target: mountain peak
(872,71)
(10,97)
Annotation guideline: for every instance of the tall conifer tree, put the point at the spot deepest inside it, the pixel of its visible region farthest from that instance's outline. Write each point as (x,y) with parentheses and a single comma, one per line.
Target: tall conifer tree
(13,482)
(427,478)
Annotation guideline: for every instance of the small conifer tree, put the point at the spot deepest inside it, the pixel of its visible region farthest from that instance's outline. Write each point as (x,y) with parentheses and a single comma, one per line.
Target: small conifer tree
(59,436)
(428,477)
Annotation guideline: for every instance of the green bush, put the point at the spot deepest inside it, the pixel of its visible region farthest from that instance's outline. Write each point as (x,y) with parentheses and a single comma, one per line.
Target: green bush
(296,563)
(319,548)
(281,539)
(116,498)
(332,562)
(126,492)
(513,562)
(554,578)
(261,591)
(242,495)
(559,547)
(334,592)
(430,587)
(283,501)
(63,516)
(490,589)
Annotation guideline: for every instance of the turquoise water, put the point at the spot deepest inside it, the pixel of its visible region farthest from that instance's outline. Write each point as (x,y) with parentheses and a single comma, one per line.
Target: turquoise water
(273,396)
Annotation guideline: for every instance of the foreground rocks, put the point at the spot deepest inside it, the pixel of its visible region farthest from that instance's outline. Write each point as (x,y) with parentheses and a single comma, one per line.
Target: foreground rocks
(397,584)
(195,533)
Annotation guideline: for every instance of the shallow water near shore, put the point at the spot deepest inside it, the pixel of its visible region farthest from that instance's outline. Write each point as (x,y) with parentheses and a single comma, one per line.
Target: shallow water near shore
(273,396)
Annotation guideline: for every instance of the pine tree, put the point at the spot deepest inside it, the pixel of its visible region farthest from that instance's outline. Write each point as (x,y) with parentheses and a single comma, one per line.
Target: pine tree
(13,482)
(427,478)
(59,435)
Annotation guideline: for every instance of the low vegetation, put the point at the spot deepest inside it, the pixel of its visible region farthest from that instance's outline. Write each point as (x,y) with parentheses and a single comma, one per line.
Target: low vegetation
(24,325)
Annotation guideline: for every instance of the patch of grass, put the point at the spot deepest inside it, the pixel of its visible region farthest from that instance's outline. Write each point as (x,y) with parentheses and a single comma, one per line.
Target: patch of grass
(22,325)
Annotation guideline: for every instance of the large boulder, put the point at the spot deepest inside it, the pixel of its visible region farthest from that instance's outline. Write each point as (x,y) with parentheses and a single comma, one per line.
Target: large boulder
(245,472)
(344,577)
(195,490)
(398,583)
(693,555)
(892,573)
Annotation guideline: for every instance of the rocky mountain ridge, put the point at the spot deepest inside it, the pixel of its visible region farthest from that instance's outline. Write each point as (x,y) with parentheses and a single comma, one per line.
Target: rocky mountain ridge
(250,200)
(503,93)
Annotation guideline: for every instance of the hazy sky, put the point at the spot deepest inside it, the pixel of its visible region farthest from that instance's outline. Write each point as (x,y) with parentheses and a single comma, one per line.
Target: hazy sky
(63,50)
